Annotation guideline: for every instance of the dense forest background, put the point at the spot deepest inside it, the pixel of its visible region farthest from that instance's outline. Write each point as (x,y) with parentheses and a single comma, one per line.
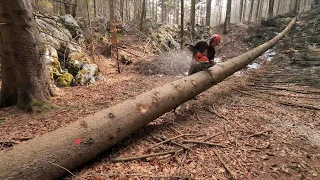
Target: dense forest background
(207,12)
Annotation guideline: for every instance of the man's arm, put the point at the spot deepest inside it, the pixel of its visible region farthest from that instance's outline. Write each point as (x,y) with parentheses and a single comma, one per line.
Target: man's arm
(194,48)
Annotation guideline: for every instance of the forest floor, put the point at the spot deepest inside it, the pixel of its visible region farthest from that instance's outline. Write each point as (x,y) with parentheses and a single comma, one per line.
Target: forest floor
(265,122)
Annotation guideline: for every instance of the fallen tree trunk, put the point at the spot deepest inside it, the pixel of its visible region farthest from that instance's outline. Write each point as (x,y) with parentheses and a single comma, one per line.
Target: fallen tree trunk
(48,156)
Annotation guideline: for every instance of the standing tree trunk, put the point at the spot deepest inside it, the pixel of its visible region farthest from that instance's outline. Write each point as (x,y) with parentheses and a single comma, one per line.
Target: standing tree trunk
(278,8)
(156,13)
(270,11)
(192,16)
(113,29)
(74,8)
(244,10)
(220,11)
(94,8)
(251,11)
(228,15)
(142,15)
(177,9)
(241,10)
(67,6)
(258,8)
(291,7)
(163,9)
(25,79)
(208,12)
(297,6)
(121,9)
(181,27)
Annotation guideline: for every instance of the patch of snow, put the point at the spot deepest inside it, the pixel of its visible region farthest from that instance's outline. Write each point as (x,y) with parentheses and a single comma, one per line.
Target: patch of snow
(254,66)
(217,60)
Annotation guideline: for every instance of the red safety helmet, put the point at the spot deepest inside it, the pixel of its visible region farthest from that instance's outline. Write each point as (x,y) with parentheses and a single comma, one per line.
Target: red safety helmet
(215,38)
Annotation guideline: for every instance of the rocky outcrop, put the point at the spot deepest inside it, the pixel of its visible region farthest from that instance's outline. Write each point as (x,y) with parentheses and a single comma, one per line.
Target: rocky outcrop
(64,57)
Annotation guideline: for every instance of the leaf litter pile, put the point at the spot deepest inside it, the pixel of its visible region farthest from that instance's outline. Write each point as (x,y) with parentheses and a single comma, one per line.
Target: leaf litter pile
(257,124)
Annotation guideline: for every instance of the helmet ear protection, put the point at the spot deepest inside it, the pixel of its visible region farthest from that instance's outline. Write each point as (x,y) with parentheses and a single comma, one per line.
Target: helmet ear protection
(215,38)
(211,40)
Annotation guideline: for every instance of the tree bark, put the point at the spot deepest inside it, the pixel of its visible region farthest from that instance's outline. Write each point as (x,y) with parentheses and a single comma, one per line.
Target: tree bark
(192,16)
(83,140)
(228,15)
(74,8)
(241,10)
(156,13)
(251,11)
(24,76)
(297,6)
(142,15)
(278,7)
(182,23)
(177,9)
(67,6)
(258,9)
(208,12)
(163,9)
(270,11)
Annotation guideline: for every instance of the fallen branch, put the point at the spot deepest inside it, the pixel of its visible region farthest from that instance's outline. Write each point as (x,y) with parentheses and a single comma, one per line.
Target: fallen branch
(207,143)
(273,94)
(9,142)
(142,156)
(232,174)
(260,133)
(286,89)
(140,175)
(61,167)
(177,144)
(22,138)
(162,142)
(129,52)
(299,105)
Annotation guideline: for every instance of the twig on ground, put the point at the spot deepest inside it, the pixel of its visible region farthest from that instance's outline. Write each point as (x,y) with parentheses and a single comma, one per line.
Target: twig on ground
(162,142)
(177,144)
(181,164)
(285,89)
(175,130)
(232,174)
(197,116)
(212,110)
(150,140)
(299,105)
(207,143)
(142,156)
(260,133)
(125,50)
(22,138)
(8,142)
(140,175)
(60,167)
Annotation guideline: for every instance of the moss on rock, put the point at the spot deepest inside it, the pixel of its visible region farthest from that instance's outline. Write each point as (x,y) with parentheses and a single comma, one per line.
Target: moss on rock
(65,80)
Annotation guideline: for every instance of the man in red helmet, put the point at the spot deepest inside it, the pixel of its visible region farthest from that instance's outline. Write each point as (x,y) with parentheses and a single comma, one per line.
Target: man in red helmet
(203,54)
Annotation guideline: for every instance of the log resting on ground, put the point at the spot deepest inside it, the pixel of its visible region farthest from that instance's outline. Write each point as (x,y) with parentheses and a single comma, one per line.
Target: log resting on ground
(83,140)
